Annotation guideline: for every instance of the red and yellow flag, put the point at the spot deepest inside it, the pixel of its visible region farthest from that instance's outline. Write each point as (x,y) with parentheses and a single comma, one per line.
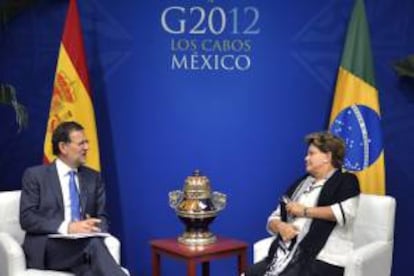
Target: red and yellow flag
(71,98)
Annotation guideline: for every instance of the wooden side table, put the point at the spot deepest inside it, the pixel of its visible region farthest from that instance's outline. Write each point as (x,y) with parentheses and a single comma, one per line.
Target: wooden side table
(224,247)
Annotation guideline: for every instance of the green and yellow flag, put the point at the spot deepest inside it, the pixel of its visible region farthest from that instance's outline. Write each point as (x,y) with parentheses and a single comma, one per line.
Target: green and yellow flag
(71,98)
(355,112)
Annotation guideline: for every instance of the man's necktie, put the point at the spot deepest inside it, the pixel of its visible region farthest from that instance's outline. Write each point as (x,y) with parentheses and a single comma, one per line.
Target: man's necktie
(74,197)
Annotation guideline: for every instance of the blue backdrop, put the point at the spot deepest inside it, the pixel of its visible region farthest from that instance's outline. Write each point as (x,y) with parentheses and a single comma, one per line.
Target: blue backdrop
(229,87)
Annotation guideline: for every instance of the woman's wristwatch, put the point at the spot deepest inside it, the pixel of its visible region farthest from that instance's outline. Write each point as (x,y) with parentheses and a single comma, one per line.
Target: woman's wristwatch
(305,212)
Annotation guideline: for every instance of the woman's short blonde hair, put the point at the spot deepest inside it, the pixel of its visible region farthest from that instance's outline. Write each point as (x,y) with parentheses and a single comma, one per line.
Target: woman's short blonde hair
(327,142)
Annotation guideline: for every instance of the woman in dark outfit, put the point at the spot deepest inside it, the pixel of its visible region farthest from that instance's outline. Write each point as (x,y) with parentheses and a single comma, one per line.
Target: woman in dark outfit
(314,221)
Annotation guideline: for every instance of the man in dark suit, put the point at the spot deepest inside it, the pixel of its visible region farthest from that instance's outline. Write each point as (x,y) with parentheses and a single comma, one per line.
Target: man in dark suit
(66,197)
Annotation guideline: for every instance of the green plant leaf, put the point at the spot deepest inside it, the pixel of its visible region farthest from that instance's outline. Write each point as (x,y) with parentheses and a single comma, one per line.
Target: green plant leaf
(405,67)
(8,97)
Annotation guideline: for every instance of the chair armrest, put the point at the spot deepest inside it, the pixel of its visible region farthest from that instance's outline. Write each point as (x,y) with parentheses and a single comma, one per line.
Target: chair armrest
(261,248)
(371,259)
(114,247)
(12,259)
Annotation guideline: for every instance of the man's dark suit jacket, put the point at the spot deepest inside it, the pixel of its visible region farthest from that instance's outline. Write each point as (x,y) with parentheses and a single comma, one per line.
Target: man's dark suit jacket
(42,211)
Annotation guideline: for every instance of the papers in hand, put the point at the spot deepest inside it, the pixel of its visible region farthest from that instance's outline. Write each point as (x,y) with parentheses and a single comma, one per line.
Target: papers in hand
(78,235)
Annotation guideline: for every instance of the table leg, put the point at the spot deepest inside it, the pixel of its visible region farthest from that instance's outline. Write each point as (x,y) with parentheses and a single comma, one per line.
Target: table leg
(156,270)
(242,261)
(205,266)
(191,268)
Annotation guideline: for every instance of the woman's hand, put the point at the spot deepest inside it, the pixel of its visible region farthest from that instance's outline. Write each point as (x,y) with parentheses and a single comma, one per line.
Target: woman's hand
(287,231)
(295,209)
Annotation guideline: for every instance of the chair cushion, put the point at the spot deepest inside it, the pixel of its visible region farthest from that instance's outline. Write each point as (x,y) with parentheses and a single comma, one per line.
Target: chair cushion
(375,220)
(9,215)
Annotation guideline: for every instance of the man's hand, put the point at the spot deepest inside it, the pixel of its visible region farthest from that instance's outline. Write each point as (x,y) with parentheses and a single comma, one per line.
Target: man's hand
(295,209)
(88,225)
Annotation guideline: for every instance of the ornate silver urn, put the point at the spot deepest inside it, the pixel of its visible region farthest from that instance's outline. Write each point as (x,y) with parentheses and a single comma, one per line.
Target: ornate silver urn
(196,206)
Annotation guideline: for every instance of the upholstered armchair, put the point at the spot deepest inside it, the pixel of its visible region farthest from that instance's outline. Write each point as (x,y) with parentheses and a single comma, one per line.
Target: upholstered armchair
(373,238)
(12,259)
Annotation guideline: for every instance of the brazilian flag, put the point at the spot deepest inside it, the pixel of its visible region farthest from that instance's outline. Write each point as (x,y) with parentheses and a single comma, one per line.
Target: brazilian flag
(355,114)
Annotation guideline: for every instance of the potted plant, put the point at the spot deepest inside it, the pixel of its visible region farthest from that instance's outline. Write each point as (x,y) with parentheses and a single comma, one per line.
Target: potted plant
(8,10)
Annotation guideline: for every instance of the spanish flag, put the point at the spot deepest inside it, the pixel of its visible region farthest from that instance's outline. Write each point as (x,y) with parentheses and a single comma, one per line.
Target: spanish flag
(72,98)
(355,112)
